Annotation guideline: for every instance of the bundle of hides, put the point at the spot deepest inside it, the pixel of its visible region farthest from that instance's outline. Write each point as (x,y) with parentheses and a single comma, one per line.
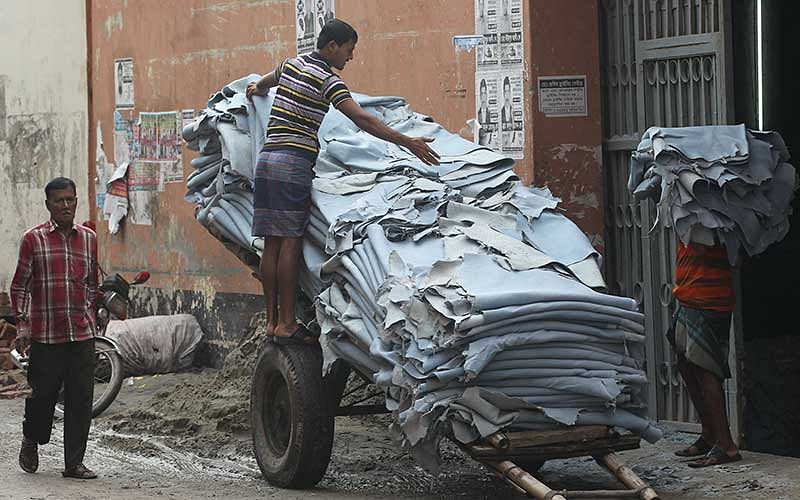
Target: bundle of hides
(720,184)
(466,296)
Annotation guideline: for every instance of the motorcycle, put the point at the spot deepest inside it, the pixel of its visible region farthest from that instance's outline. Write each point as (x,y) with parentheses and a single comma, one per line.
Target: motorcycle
(112,303)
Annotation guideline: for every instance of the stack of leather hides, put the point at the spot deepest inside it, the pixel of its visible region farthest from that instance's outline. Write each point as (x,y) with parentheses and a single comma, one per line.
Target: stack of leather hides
(469,298)
(717,184)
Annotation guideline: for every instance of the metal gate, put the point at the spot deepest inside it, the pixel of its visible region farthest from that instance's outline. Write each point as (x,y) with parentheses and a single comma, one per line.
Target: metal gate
(663,63)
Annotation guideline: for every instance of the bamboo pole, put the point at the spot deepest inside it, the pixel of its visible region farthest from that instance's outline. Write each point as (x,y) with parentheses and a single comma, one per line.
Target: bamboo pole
(522,479)
(627,476)
(499,440)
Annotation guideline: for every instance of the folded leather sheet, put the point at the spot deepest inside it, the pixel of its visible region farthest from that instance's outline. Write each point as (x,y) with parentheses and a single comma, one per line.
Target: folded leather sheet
(469,298)
(717,183)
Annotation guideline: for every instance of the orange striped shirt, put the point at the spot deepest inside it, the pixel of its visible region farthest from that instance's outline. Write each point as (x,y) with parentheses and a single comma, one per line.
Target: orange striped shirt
(704,278)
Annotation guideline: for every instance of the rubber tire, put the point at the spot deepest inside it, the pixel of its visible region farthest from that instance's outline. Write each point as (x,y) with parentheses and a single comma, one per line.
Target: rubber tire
(300,459)
(114,383)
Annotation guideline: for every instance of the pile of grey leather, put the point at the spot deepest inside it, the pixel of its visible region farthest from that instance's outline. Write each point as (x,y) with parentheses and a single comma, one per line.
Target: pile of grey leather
(722,183)
(468,297)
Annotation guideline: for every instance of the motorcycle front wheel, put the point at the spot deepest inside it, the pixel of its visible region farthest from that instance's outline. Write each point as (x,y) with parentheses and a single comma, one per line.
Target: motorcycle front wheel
(107,378)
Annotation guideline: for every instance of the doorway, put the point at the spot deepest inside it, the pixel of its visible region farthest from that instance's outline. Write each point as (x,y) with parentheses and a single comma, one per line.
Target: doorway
(770,281)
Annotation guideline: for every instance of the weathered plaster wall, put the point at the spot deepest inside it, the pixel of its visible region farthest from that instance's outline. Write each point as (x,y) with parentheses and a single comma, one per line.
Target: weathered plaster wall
(567,151)
(43,113)
(183,51)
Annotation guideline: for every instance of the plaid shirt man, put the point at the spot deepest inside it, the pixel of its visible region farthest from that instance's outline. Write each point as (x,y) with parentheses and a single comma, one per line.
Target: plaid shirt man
(55,285)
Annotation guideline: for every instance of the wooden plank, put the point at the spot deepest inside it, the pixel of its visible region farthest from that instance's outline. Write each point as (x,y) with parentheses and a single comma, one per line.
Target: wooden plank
(557,450)
(536,438)
(529,439)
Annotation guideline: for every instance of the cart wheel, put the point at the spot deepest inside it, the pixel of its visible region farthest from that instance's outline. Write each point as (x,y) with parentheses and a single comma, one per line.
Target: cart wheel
(290,416)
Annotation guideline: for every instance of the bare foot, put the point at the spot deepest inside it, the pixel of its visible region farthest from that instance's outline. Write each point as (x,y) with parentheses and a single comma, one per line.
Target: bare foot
(270,329)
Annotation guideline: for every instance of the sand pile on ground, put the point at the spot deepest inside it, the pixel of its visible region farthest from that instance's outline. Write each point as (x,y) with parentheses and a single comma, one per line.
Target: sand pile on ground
(208,412)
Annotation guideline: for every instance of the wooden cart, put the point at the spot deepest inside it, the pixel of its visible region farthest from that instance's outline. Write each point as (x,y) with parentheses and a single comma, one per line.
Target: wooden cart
(515,456)
(293,408)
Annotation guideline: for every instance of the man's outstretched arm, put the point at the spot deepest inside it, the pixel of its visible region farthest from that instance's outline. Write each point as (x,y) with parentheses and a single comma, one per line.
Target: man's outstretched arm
(368,123)
(266,82)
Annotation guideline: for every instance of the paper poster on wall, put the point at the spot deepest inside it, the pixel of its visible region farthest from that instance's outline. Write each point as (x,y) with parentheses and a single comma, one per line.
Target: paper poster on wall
(306,26)
(512,114)
(142,205)
(159,136)
(187,117)
(310,17)
(324,13)
(562,95)
(102,168)
(148,136)
(499,82)
(145,175)
(171,171)
(487,133)
(115,207)
(123,83)
(124,150)
(488,53)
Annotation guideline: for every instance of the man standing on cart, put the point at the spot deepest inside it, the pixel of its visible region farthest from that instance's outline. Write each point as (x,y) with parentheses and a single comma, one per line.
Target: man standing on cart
(306,87)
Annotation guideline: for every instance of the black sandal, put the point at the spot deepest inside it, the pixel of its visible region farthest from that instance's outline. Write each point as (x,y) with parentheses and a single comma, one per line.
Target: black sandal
(300,336)
(696,449)
(29,456)
(716,456)
(79,472)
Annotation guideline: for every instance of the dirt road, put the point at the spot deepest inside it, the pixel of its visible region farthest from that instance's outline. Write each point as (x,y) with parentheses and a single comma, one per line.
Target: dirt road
(139,456)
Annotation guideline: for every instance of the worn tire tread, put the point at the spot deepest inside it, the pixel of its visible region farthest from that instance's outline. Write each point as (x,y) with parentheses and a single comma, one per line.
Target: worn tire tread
(305,461)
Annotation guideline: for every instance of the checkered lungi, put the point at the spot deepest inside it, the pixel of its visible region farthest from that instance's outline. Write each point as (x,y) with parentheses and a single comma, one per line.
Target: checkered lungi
(282,198)
(701,336)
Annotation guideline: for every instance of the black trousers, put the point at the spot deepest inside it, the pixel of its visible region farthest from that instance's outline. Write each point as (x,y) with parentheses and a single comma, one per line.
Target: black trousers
(50,366)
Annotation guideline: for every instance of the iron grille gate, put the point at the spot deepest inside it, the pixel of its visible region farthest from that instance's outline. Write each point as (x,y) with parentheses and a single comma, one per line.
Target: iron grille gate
(664,62)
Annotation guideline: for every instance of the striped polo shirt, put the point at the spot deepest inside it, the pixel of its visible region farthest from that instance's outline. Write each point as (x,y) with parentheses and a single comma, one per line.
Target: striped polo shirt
(704,278)
(306,89)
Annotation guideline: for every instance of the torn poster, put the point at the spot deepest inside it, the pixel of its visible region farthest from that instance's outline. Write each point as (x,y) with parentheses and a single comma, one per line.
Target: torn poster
(143,206)
(101,168)
(311,16)
(124,148)
(145,175)
(115,205)
(123,83)
(187,117)
(171,171)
